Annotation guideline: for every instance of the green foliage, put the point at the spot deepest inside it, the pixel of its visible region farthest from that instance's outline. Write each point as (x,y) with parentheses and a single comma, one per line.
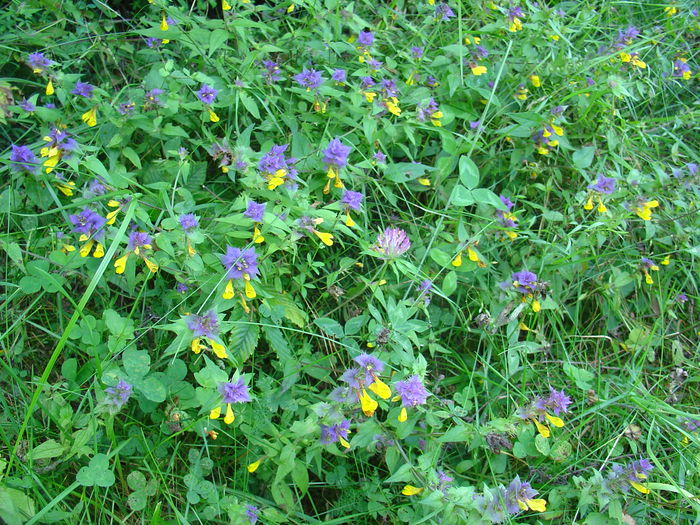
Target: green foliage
(168,354)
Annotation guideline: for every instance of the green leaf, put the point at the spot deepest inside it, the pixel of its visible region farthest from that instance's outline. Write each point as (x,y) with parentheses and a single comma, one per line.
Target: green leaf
(583,157)
(329,326)
(461,196)
(542,444)
(468,172)
(153,389)
(249,104)
(48,449)
(402,172)
(16,508)
(449,284)
(137,363)
(211,375)
(580,376)
(96,473)
(354,325)
(217,39)
(130,154)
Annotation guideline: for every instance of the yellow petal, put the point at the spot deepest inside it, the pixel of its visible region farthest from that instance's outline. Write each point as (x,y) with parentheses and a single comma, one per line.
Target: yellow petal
(369,405)
(245,306)
(647,278)
(338,183)
(152,266)
(332,171)
(190,250)
(348,220)
(120,264)
(538,505)
(249,290)
(536,307)
(558,130)
(257,238)
(214,414)
(472,254)
(478,70)
(85,248)
(601,207)
(225,5)
(213,117)
(196,346)
(641,488)
(403,415)
(229,417)
(522,504)
(652,204)
(457,262)
(218,349)
(254,465)
(424,182)
(326,238)
(535,80)
(228,292)
(274,182)
(67,248)
(290,8)
(49,88)
(554,420)
(99,251)
(410,490)
(163,24)
(90,117)
(380,388)
(542,429)
(343,442)
(369,96)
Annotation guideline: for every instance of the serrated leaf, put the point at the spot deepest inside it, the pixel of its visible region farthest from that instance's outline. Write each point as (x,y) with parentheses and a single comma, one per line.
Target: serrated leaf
(244,339)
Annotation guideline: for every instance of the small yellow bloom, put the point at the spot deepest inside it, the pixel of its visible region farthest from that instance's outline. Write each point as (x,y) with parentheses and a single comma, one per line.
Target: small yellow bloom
(163,24)
(49,88)
(225,5)
(228,292)
(380,388)
(554,420)
(666,260)
(478,70)
(457,261)
(120,264)
(423,181)
(515,25)
(229,417)
(589,204)
(90,117)
(535,79)
(369,96)
(643,211)
(601,207)
(369,405)
(641,488)
(249,290)
(410,490)
(152,266)
(213,117)
(218,349)
(536,307)
(290,8)
(326,238)
(392,104)
(403,415)
(214,414)
(257,238)
(538,505)
(670,11)
(554,37)
(542,429)
(348,220)
(254,465)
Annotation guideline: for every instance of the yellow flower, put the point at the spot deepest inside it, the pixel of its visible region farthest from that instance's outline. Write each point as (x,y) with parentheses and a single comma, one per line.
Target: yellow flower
(369,405)
(49,88)
(225,5)
(535,79)
(666,260)
(423,181)
(90,117)
(643,211)
(554,37)
(478,70)
(521,93)
(457,261)
(254,465)
(515,25)
(369,96)
(670,10)
(163,24)
(638,486)
(380,388)
(403,415)
(213,117)
(410,490)
(392,104)
(290,8)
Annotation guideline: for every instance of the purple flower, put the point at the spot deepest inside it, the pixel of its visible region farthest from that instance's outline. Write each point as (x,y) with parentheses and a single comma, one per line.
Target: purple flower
(417,52)
(474,124)
(443,478)
(239,263)
(117,396)
(692,168)
(426,290)
(388,88)
(272,71)
(507,202)
(234,392)
(88,223)
(334,433)
(94,188)
(153,42)
(491,504)
(605,185)
(366,82)
(309,78)
(251,512)
(425,112)
(255,211)
(152,99)
(379,157)
(557,110)
(444,12)
(365,38)
(524,281)
(181,288)
(370,365)
(240,165)
(336,154)
(681,298)
(412,391)
(480,52)
(207,94)
(206,325)
(61,140)
(518,494)
(126,108)
(38,62)
(557,402)
(83,89)
(274,160)
(620,476)
(23,159)
(138,240)
(515,12)
(681,69)
(352,199)
(392,243)
(590,82)
(374,64)
(189,221)
(627,36)
(339,75)
(27,106)
(431,81)
(350,376)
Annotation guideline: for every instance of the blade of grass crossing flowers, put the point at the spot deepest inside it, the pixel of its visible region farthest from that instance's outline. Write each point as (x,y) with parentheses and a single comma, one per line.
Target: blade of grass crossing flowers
(104,264)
